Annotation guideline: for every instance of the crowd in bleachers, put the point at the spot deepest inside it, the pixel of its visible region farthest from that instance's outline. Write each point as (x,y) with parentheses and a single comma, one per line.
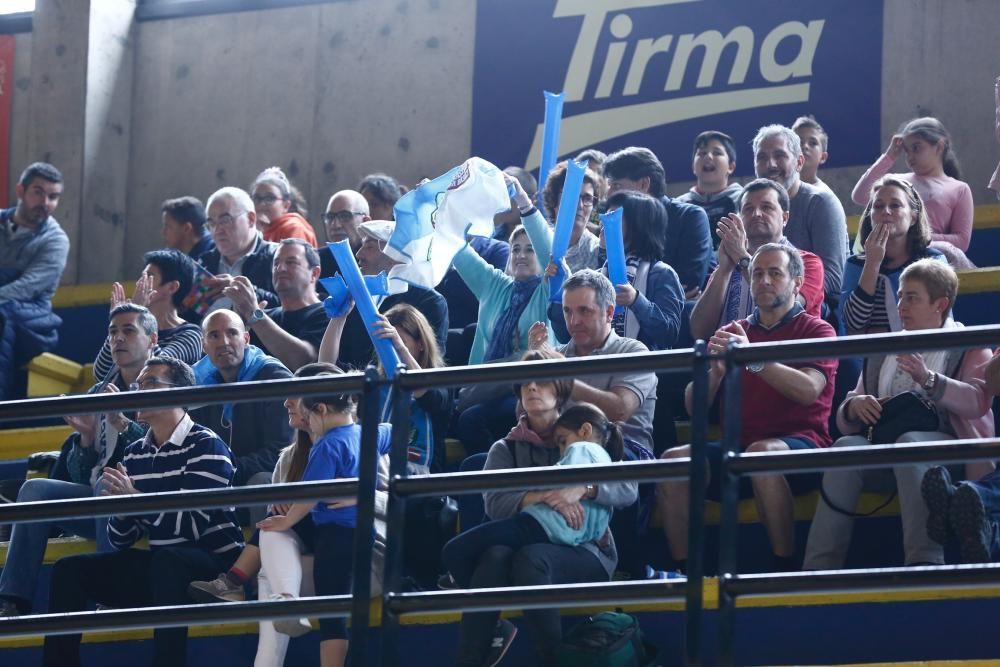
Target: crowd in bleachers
(235,296)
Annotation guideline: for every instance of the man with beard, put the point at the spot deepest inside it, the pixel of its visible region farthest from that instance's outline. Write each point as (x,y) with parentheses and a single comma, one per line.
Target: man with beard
(816,218)
(99,440)
(784,406)
(762,217)
(33,250)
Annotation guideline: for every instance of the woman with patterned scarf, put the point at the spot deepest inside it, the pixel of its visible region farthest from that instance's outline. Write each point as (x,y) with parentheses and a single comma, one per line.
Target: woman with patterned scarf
(509,303)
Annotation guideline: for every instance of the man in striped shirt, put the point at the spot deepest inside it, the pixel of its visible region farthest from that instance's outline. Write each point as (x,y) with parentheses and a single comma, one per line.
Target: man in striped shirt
(184,546)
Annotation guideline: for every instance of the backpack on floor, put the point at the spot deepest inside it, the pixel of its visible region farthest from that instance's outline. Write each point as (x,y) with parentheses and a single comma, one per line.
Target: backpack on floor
(609,639)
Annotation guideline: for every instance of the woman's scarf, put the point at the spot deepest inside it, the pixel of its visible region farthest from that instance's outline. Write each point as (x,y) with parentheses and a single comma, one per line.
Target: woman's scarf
(505,328)
(625,322)
(522,432)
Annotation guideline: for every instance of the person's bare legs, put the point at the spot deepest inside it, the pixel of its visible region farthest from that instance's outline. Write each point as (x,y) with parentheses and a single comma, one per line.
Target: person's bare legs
(333,652)
(775,504)
(673,499)
(249,561)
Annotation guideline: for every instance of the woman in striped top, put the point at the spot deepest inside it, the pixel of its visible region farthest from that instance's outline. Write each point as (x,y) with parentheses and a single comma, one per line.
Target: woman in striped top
(895,233)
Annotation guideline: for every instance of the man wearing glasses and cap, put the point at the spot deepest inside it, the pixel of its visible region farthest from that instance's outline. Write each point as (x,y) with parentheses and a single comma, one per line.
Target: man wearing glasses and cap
(356,350)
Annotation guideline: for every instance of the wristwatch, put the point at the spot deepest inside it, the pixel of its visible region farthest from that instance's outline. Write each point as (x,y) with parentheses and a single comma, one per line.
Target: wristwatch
(256,317)
(932,378)
(755,367)
(744,263)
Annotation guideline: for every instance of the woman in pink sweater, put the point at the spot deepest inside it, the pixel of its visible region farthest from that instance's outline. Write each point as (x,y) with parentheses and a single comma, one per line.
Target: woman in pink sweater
(935,175)
(995,180)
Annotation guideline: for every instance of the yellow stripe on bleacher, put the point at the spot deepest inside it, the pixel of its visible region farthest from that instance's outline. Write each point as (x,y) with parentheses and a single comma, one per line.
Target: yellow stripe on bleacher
(94,294)
(20,443)
(710,594)
(976,281)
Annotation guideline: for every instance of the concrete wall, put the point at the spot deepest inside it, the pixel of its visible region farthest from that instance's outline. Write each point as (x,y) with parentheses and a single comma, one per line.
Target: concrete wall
(327,92)
(334,91)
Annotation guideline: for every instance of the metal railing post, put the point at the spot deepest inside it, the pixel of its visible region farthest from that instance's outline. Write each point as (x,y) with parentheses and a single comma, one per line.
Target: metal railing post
(364,540)
(696,503)
(395,521)
(729,519)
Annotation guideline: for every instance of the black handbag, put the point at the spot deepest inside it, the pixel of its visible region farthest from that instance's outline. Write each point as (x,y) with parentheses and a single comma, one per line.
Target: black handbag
(905,412)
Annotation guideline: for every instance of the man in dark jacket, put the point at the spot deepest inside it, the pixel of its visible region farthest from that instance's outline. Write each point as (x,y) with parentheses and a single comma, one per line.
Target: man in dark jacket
(240,250)
(688,244)
(33,250)
(255,432)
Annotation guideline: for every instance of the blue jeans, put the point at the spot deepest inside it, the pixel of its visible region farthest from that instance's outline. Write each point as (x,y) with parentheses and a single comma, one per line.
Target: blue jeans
(28,540)
(988,490)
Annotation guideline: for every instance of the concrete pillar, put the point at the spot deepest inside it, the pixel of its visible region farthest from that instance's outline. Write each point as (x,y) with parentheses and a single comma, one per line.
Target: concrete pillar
(80,110)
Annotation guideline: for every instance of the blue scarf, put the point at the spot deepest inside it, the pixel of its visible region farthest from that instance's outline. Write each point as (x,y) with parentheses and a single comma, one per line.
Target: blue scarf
(502,340)
(254,361)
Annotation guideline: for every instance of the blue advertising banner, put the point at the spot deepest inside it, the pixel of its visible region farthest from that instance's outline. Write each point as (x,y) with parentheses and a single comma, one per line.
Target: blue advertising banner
(655,73)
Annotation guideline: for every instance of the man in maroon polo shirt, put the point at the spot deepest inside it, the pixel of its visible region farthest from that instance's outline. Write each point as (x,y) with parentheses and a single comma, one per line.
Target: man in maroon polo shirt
(784,406)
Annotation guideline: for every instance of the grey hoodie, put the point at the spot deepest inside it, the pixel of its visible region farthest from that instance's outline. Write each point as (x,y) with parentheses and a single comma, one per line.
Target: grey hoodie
(506,454)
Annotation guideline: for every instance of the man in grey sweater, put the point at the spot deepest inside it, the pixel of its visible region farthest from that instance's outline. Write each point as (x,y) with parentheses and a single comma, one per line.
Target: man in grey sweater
(816,219)
(33,249)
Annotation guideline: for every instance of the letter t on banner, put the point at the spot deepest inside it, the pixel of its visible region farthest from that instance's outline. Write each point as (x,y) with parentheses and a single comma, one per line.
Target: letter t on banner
(550,137)
(363,302)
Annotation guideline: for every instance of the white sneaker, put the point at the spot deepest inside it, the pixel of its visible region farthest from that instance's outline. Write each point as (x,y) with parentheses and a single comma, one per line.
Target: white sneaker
(293,627)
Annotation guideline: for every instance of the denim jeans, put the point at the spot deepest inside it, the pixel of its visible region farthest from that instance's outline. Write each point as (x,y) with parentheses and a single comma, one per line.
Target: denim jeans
(129,578)
(988,490)
(28,540)
(462,552)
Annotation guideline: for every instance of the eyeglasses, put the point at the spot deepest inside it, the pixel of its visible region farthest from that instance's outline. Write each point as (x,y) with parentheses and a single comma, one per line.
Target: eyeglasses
(150,383)
(226,220)
(266,199)
(342,217)
(588,201)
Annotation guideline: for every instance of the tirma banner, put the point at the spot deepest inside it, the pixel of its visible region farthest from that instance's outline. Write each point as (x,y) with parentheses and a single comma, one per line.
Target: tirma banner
(657,72)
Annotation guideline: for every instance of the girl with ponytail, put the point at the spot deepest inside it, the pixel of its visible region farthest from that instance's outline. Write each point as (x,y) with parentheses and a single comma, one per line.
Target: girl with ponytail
(936,176)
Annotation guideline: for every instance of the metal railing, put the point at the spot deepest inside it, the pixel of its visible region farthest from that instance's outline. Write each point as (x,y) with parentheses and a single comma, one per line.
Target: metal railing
(401,487)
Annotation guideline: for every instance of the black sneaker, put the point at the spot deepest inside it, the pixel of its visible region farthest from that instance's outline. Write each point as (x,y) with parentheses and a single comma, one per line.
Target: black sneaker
(937,490)
(968,520)
(8,609)
(503,637)
(446,582)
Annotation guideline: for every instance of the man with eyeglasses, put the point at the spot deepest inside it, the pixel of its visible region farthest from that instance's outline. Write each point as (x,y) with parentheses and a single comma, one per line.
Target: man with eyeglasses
(176,454)
(240,250)
(345,212)
(99,441)
(356,349)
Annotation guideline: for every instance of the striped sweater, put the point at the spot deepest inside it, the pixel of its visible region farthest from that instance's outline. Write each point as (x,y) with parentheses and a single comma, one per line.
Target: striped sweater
(193,457)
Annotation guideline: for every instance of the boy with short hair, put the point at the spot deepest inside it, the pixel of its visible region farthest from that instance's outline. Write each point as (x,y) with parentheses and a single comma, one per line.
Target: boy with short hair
(814,148)
(714,160)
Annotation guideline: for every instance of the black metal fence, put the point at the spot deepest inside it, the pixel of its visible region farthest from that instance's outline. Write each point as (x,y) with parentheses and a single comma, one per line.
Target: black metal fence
(401,488)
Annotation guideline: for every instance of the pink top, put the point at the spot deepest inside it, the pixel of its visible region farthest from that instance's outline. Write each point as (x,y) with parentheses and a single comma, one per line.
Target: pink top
(948,201)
